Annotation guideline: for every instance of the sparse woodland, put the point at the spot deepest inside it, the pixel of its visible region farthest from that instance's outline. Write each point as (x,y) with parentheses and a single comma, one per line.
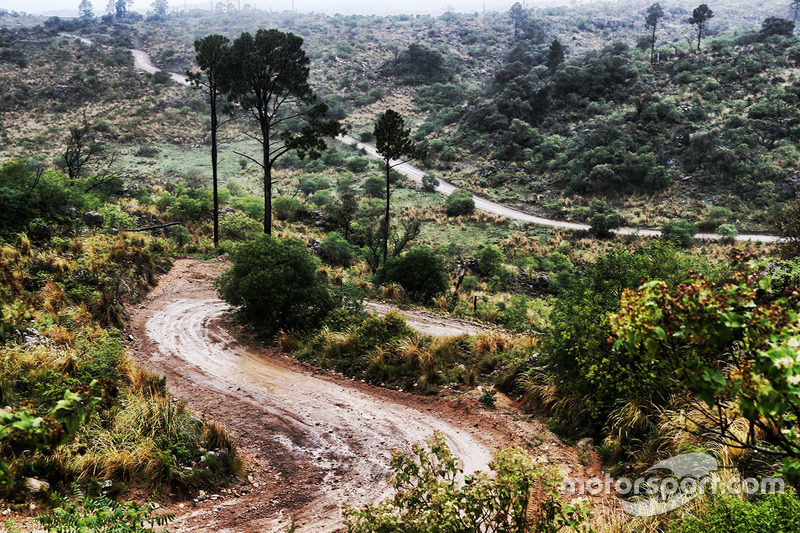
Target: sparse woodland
(619,114)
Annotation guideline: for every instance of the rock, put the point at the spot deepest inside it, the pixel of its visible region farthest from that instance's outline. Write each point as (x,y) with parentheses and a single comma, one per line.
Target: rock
(93,219)
(36,486)
(29,342)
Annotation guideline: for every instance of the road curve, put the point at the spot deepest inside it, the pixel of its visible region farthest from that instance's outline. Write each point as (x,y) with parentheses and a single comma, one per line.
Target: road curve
(338,438)
(142,62)
(488,206)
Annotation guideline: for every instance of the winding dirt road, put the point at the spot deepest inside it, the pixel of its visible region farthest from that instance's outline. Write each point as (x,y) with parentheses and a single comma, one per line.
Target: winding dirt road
(314,441)
(429,323)
(142,62)
(482,204)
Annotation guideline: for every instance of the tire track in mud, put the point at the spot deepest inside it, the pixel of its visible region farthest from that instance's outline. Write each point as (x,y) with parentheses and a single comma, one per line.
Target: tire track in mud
(326,442)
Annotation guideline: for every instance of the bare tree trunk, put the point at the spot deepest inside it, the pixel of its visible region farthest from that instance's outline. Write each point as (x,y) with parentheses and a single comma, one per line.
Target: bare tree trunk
(386,218)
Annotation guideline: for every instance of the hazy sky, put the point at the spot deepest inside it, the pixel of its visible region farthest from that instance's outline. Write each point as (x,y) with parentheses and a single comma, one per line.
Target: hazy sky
(381,7)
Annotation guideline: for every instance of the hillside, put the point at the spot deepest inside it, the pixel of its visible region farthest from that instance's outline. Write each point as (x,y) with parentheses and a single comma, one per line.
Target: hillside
(582,350)
(489,103)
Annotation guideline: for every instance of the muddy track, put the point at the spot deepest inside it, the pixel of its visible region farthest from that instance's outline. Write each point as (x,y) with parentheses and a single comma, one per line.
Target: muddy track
(313,441)
(429,323)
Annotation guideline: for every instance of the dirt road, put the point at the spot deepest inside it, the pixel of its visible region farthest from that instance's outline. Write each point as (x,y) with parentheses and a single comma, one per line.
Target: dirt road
(313,441)
(142,62)
(482,204)
(429,323)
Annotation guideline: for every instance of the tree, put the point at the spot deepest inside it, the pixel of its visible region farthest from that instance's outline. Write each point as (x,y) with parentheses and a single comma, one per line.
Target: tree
(654,14)
(419,271)
(517,16)
(270,82)
(82,149)
(121,8)
(777,26)
(213,54)
(276,284)
(555,56)
(85,9)
(700,16)
(393,143)
(160,7)
(795,7)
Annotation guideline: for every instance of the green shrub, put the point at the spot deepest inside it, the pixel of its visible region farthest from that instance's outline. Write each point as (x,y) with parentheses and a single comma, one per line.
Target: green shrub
(114,217)
(601,225)
(728,514)
(276,284)
(680,233)
(290,209)
(728,233)
(238,226)
(490,259)
(469,284)
(419,271)
(252,206)
(429,183)
(335,250)
(429,491)
(179,234)
(603,219)
(587,372)
(375,187)
(321,198)
(95,514)
(377,331)
(358,165)
(459,203)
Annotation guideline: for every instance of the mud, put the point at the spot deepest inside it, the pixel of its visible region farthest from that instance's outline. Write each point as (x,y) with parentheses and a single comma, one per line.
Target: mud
(313,442)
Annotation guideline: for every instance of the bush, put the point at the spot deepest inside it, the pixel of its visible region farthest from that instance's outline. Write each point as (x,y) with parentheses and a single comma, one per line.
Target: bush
(238,226)
(375,187)
(161,77)
(729,514)
(290,209)
(91,514)
(419,271)
(680,233)
(589,375)
(604,219)
(357,164)
(429,184)
(335,250)
(728,233)
(428,491)
(490,259)
(459,203)
(276,284)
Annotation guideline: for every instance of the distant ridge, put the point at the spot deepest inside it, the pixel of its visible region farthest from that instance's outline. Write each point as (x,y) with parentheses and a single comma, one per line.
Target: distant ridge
(64,13)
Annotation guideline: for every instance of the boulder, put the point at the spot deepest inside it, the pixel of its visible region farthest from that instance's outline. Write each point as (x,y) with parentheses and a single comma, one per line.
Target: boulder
(36,486)
(93,219)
